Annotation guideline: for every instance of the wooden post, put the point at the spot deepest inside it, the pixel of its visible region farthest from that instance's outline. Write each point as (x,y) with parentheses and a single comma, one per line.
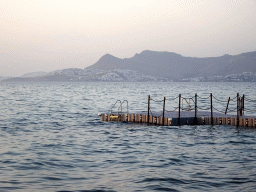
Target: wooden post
(216,120)
(143,118)
(159,120)
(163,111)
(148,107)
(179,110)
(211,110)
(130,118)
(233,121)
(195,120)
(251,122)
(224,120)
(150,120)
(242,122)
(227,106)
(137,118)
(237,107)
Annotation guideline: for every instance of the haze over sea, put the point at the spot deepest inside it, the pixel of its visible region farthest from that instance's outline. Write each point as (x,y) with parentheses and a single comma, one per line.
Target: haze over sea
(52,139)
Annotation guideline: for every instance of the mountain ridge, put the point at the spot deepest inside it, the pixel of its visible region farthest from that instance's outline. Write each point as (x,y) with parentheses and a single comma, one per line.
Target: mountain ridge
(166,64)
(156,66)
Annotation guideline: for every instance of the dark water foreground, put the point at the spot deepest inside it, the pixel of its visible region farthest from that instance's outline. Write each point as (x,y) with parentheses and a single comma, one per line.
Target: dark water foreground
(51,139)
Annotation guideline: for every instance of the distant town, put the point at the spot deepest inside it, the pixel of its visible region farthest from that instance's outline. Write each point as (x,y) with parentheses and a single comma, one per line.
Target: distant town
(244,77)
(155,66)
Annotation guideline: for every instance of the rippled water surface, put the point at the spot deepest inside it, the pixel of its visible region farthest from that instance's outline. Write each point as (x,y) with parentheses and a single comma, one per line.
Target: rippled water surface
(52,139)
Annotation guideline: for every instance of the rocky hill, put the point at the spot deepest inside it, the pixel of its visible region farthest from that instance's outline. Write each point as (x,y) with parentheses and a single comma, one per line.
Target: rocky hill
(157,66)
(174,66)
(75,75)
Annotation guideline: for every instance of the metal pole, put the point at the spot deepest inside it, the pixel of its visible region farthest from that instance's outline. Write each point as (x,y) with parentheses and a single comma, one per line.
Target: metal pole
(227,106)
(179,110)
(242,106)
(237,107)
(148,107)
(211,110)
(163,110)
(195,120)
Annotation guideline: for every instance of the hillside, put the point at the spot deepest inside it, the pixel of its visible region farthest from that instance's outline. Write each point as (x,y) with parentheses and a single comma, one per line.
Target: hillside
(175,66)
(156,66)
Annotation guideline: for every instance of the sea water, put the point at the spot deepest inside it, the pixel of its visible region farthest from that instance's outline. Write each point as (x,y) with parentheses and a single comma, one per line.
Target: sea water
(52,139)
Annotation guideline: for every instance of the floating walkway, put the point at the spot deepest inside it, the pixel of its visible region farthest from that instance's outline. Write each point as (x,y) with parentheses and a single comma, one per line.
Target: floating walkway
(191,114)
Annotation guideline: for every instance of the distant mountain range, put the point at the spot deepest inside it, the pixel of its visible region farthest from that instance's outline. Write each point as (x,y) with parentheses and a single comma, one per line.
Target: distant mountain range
(6,77)
(157,66)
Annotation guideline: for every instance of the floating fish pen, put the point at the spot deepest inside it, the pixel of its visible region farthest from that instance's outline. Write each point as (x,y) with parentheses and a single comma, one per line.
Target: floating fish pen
(191,114)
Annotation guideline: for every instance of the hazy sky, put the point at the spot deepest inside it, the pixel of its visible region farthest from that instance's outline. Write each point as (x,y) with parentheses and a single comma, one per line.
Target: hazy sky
(45,35)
